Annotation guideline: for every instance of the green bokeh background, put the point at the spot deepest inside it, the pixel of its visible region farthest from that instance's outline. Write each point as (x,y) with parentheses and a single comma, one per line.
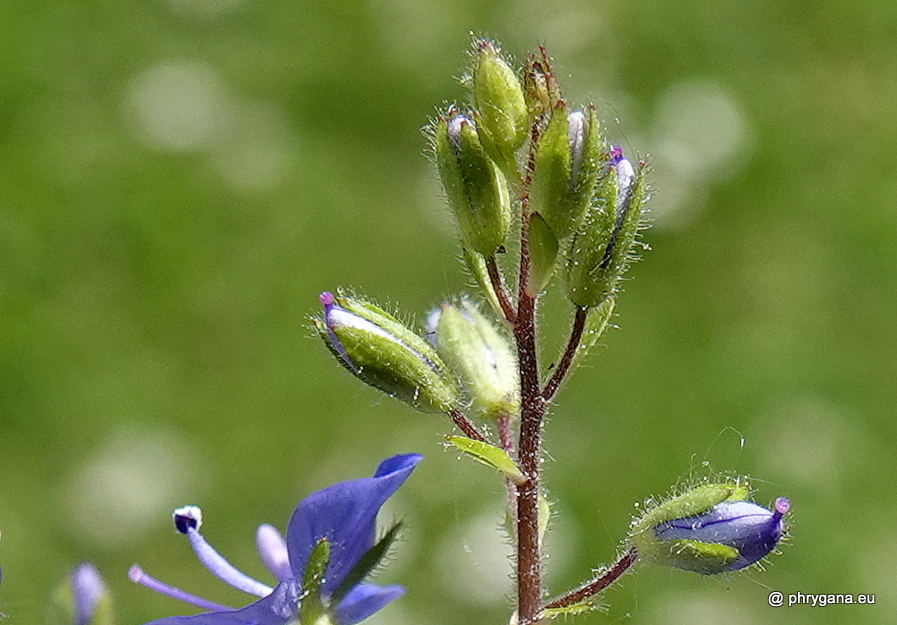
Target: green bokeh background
(180,178)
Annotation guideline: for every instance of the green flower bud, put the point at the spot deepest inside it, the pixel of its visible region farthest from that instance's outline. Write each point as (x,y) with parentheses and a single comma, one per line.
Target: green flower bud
(601,250)
(709,529)
(383,353)
(475,187)
(503,118)
(567,168)
(480,353)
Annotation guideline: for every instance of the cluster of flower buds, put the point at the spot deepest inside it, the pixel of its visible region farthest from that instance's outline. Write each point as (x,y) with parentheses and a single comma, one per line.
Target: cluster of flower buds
(467,361)
(583,201)
(520,154)
(709,529)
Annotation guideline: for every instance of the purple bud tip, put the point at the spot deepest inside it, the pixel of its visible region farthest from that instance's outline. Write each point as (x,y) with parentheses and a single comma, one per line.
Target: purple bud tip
(326,298)
(187,518)
(616,154)
(782,506)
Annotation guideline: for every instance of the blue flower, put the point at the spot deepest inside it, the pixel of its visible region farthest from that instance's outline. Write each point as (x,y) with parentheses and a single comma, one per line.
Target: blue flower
(87,591)
(332,530)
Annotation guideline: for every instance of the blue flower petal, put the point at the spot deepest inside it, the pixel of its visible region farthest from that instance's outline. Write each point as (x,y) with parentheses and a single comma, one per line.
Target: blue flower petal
(345,514)
(278,608)
(363,601)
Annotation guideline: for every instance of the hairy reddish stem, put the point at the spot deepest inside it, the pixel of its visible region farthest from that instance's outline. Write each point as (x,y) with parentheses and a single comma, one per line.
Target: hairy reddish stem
(532,409)
(598,584)
(563,367)
(507,308)
(464,424)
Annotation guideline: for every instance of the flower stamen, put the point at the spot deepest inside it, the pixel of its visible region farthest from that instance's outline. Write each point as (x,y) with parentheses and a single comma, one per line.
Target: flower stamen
(187,521)
(138,576)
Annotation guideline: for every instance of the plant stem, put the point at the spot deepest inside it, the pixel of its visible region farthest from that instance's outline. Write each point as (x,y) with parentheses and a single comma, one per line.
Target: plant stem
(557,377)
(532,409)
(506,440)
(501,292)
(505,433)
(529,559)
(464,424)
(598,584)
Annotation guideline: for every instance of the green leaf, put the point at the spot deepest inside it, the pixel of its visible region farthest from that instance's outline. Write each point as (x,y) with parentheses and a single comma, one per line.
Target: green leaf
(489,455)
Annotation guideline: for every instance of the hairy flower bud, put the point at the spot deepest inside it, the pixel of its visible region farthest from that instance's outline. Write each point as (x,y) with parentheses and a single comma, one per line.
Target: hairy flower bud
(475,187)
(709,529)
(601,250)
(503,118)
(480,354)
(568,164)
(567,167)
(385,354)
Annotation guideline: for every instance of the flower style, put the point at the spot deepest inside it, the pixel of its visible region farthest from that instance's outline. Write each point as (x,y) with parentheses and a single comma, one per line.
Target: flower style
(329,549)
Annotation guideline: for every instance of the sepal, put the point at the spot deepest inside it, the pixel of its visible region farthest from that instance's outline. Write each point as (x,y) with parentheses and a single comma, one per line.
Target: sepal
(543,251)
(476,264)
(596,323)
(312,604)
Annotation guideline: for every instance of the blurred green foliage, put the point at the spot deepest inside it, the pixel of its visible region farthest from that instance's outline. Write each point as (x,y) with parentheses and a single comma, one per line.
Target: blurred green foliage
(180,178)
